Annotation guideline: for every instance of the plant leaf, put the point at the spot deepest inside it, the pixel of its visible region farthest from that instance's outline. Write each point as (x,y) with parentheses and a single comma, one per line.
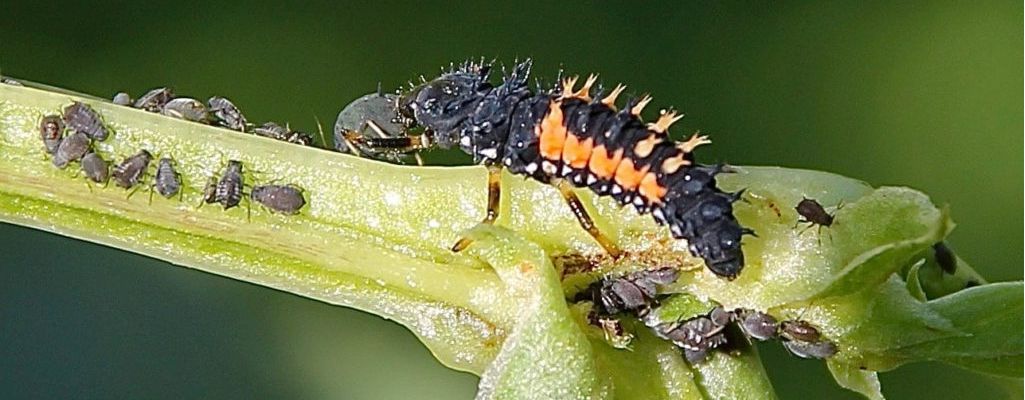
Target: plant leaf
(864,382)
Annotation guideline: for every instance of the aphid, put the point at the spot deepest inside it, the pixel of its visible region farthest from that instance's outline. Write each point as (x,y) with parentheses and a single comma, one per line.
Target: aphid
(130,172)
(167,181)
(82,118)
(284,199)
(696,336)
(154,100)
(71,148)
(568,138)
(803,340)
(51,131)
(228,190)
(95,168)
(799,330)
(812,213)
(635,292)
(945,257)
(122,99)
(226,114)
(187,109)
(283,133)
(758,325)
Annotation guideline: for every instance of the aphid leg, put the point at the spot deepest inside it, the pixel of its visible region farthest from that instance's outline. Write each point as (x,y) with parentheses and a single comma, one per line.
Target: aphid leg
(151,193)
(585,220)
(132,192)
(494,201)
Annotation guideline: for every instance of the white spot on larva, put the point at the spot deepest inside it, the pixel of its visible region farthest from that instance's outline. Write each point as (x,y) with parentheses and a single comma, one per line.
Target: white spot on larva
(566,170)
(491,153)
(507,161)
(548,168)
(616,189)
(591,179)
(464,141)
(531,168)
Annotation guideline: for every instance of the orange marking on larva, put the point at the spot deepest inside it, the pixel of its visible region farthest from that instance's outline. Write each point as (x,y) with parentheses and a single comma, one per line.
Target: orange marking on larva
(553,133)
(644,147)
(628,177)
(577,152)
(602,164)
(651,190)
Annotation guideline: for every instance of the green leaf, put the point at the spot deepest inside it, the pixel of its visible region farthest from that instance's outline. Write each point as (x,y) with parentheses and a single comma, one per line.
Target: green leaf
(914,284)
(545,355)
(864,382)
(990,317)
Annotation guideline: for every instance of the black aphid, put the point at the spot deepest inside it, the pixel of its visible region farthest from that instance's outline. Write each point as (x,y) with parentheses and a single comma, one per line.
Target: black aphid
(758,325)
(284,199)
(51,131)
(95,168)
(945,257)
(82,118)
(122,99)
(71,148)
(805,341)
(187,109)
(283,133)
(130,172)
(799,330)
(228,190)
(167,181)
(271,130)
(636,292)
(697,336)
(226,114)
(812,213)
(154,100)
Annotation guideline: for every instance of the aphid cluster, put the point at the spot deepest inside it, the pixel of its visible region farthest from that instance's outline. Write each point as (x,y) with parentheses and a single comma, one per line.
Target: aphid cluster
(69,137)
(637,294)
(570,138)
(218,111)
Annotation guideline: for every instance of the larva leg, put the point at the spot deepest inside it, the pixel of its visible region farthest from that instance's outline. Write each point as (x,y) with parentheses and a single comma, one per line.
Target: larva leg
(494,198)
(585,220)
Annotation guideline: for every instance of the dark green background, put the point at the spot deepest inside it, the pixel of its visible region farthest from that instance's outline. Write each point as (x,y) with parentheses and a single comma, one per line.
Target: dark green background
(924,94)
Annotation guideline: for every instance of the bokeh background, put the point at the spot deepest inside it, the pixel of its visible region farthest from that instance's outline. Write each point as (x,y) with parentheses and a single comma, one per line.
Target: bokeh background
(919,93)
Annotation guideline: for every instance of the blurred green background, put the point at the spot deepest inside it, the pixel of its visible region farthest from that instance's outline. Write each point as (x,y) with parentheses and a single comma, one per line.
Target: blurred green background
(923,94)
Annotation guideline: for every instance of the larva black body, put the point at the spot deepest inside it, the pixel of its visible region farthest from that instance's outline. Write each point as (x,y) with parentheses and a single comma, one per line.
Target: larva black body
(563,135)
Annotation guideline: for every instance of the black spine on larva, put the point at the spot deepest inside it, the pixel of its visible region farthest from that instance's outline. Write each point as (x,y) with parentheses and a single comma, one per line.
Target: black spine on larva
(486,130)
(502,123)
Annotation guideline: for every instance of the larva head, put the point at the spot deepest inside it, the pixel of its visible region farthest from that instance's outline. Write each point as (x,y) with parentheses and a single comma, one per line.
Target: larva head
(442,104)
